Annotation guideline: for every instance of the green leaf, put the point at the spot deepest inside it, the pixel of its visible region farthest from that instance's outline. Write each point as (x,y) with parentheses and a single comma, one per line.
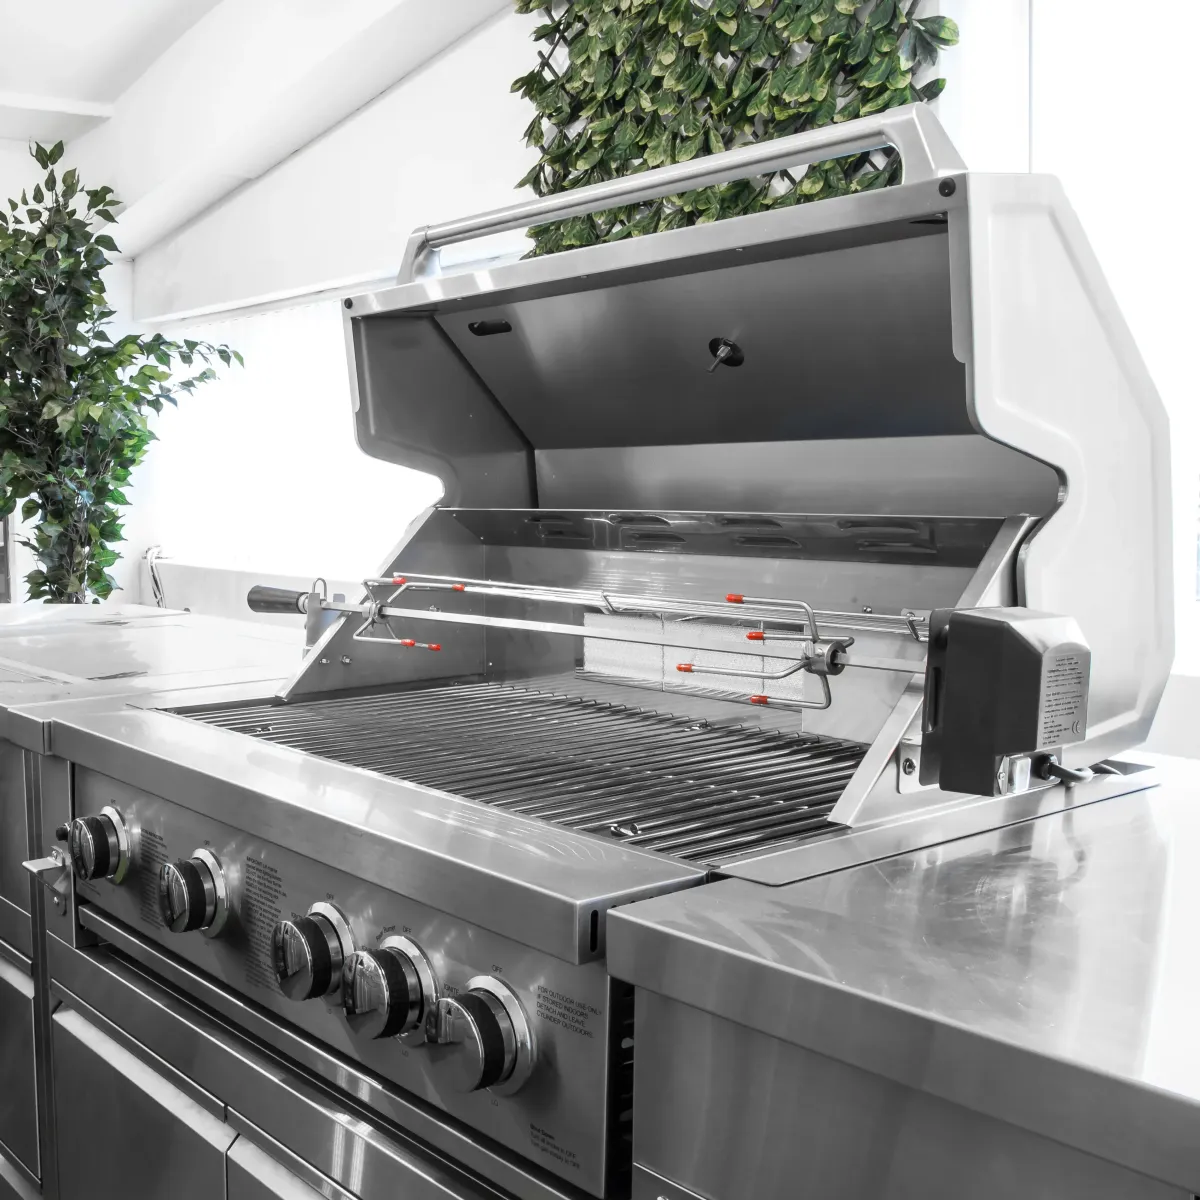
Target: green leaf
(56,152)
(943,30)
(882,14)
(860,45)
(741,79)
(932,90)
(878,73)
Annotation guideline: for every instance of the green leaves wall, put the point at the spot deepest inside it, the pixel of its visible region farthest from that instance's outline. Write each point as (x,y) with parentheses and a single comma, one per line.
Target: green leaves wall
(626,85)
(74,404)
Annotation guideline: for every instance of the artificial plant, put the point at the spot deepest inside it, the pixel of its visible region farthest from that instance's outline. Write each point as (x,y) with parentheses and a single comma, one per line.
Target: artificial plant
(73,402)
(624,85)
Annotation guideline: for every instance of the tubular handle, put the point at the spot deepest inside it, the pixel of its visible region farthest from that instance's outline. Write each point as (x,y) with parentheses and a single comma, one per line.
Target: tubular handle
(925,152)
(276,600)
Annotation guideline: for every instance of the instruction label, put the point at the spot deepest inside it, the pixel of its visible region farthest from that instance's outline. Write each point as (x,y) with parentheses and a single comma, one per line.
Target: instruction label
(262,891)
(546,1143)
(153,854)
(1064,699)
(566,1012)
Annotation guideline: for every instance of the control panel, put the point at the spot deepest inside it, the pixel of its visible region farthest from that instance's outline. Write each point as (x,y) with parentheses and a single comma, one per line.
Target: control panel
(506,1038)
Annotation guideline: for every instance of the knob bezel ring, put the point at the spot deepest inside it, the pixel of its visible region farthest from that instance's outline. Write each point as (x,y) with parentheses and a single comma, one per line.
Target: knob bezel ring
(221,905)
(345,935)
(430,992)
(525,1058)
(123,856)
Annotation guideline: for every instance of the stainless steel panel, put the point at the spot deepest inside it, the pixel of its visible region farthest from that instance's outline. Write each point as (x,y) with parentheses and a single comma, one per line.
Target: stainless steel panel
(252,1174)
(107,1102)
(18,1069)
(649,1186)
(108,984)
(568,1005)
(944,476)
(1041,975)
(122,1035)
(730,1113)
(928,820)
(15,928)
(629,364)
(317,1132)
(14,829)
(115,654)
(14,1185)
(520,878)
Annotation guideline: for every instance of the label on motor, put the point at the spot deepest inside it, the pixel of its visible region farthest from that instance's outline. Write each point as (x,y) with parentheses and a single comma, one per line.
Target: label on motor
(1064,698)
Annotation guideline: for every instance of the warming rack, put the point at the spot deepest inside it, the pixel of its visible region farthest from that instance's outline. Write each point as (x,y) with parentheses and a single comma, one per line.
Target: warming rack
(676,784)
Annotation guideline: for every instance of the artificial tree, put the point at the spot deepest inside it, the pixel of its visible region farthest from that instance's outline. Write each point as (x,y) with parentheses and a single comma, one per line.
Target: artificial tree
(624,85)
(74,403)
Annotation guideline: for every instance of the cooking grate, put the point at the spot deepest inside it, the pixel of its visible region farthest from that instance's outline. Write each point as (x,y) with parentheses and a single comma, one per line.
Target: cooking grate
(680,785)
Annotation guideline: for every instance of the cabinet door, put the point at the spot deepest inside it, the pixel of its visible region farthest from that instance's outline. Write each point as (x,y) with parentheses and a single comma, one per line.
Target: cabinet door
(124,1130)
(254,1175)
(18,1089)
(14,850)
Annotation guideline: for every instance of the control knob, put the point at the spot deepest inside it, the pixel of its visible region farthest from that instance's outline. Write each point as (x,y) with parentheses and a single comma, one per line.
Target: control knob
(484,1038)
(309,952)
(389,992)
(98,845)
(192,894)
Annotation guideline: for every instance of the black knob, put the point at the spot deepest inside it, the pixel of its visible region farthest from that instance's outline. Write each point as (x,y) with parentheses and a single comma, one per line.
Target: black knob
(307,957)
(62,833)
(191,894)
(381,993)
(94,846)
(477,1040)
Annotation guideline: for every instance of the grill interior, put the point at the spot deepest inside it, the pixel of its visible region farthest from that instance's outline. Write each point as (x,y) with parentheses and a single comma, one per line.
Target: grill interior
(695,788)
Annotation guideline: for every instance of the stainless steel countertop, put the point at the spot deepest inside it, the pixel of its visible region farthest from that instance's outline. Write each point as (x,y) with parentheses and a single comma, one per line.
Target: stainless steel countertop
(1046,973)
(53,652)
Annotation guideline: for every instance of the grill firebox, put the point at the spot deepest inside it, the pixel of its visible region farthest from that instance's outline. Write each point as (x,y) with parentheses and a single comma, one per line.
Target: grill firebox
(677,784)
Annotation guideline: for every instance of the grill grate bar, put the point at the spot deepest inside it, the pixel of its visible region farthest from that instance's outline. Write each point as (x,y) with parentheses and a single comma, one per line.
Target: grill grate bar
(676,784)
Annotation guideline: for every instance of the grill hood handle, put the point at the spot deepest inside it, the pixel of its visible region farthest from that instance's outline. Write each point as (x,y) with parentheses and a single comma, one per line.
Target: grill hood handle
(925,150)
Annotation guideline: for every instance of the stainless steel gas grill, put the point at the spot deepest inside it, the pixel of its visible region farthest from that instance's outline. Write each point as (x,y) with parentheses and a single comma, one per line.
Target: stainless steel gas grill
(715,592)
(685,786)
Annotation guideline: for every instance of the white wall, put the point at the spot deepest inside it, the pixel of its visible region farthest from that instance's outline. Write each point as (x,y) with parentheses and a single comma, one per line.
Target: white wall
(17,169)
(258,471)
(445,141)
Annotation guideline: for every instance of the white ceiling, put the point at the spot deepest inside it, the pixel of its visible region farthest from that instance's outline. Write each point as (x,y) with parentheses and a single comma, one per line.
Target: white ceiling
(66,62)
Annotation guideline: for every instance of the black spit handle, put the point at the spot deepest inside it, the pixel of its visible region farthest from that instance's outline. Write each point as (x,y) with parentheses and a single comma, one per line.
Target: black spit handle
(275,600)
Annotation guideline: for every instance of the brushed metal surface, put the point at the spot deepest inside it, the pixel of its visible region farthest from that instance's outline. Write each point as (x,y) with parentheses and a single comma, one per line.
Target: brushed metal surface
(729,1113)
(14,828)
(1042,974)
(106,1100)
(18,1066)
(253,1174)
(521,878)
(319,1133)
(154,991)
(568,1005)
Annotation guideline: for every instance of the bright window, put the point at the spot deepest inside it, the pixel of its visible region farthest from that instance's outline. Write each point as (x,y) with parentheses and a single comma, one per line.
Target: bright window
(259,470)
